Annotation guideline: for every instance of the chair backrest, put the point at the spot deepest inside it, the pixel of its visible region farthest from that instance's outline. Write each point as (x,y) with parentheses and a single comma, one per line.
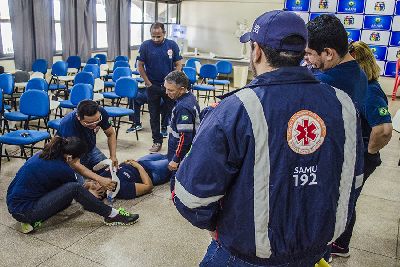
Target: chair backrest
(102,58)
(224,67)
(208,71)
(94,69)
(93,60)
(35,103)
(126,87)
(191,63)
(121,63)
(37,84)
(191,74)
(84,77)
(74,62)
(121,72)
(79,92)
(121,58)
(21,76)
(7,83)
(40,65)
(60,68)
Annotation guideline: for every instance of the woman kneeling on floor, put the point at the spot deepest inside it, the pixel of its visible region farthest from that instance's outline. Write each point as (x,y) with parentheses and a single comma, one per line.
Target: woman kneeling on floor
(46,185)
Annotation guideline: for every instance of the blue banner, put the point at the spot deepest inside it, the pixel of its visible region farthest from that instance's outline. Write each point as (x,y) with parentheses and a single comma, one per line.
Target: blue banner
(395,40)
(297,5)
(353,35)
(377,22)
(379,52)
(397,8)
(390,69)
(351,6)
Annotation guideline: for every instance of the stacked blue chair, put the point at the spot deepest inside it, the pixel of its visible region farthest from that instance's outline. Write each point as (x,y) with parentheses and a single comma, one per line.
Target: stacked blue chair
(191,74)
(121,58)
(118,64)
(84,77)
(33,103)
(102,58)
(7,88)
(40,65)
(125,87)
(37,84)
(208,72)
(224,68)
(191,62)
(93,60)
(94,69)
(59,69)
(118,73)
(74,64)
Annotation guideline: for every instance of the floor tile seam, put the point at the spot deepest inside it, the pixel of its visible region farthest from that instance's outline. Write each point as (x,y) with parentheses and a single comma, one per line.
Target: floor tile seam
(82,256)
(43,262)
(397,244)
(375,253)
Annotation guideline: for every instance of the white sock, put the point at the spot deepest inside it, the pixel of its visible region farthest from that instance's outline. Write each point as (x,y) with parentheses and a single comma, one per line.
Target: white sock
(113,213)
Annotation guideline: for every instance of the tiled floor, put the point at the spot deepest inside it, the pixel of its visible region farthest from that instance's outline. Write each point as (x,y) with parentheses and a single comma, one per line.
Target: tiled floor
(163,238)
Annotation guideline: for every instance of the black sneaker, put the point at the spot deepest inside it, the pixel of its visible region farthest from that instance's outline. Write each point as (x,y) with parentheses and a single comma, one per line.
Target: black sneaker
(137,127)
(164,132)
(339,251)
(122,218)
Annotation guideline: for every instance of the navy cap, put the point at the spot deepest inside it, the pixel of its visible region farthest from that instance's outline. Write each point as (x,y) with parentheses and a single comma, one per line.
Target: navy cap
(272,27)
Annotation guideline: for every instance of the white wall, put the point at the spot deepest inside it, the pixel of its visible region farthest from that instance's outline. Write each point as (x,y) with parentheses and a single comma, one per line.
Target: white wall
(211,24)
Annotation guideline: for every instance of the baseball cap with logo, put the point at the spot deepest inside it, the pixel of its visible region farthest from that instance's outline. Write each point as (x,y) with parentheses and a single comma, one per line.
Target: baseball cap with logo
(271,29)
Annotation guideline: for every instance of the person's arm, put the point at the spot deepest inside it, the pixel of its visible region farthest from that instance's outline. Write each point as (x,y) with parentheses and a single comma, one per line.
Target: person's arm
(143,73)
(112,144)
(178,65)
(147,184)
(380,137)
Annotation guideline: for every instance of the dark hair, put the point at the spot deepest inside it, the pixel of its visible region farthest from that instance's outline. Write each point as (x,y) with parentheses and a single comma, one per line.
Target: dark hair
(326,31)
(157,25)
(58,146)
(283,58)
(87,108)
(179,78)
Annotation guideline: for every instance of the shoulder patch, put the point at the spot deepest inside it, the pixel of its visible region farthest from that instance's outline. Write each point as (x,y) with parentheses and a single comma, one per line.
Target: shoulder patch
(383,111)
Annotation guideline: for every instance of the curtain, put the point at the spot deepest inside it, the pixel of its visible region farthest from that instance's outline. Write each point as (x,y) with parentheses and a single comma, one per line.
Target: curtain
(77,28)
(118,27)
(44,29)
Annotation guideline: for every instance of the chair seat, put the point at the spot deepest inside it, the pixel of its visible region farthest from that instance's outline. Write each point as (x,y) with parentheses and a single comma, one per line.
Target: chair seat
(219,82)
(118,111)
(109,76)
(17,116)
(203,87)
(24,137)
(109,84)
(135,72)
(110,95)
(139,79)
(67,104)
(54,124)
(54,86)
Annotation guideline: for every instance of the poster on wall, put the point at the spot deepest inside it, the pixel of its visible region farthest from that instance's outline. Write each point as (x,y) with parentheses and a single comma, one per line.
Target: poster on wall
(393,54)
(353,35)
(396,23)
(351,6)
(395,39)
(377,22)
(390,69)
(375,37)
(323,6)
(352,21)
(380,7)
(297,5)
(397,8)
(379,51)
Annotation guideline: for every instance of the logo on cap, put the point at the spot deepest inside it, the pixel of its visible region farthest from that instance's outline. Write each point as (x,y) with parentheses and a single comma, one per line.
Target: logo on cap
(306,132)
(256,28)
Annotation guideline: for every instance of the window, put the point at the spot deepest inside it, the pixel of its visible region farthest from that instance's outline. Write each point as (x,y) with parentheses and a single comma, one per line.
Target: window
(146,12)
(6,44)
(57,24)
(100,26)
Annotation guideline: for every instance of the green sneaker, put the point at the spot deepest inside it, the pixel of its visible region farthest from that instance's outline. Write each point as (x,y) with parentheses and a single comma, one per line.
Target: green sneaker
(122,218)
(27,227)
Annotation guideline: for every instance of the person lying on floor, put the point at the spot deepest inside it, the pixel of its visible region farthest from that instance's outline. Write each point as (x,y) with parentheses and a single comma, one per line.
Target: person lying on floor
(46,184)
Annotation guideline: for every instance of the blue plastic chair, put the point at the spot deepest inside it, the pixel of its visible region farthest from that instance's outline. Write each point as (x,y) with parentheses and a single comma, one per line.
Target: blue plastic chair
(37,84)
(102,58)
(191,62)
(28,138)
(191,74)
(208,72)
(74,62)
(60,68)
(84,77)
(40,65)
(7,86)
(125,87)
(136,72)
(118,64)
(118,73)
(94,69)
(93,60)
(121,58)
(224,67)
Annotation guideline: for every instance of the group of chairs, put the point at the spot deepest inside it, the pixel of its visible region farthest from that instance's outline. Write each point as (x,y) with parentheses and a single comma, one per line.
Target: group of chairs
(209,75)
(36,104)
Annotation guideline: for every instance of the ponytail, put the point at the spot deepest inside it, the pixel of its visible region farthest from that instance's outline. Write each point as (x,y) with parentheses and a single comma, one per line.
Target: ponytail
(58,146)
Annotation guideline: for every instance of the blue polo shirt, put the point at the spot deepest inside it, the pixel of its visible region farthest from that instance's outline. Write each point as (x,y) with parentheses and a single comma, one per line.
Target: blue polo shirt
(159,59)
(36,178)
(70,126)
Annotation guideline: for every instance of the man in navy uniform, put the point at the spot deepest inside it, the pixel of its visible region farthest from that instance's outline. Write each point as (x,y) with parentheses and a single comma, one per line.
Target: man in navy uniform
(274,168)
(158,57)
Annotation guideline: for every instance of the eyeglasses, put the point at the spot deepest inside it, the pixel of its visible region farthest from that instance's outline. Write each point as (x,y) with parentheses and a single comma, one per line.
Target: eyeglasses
(93,123)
